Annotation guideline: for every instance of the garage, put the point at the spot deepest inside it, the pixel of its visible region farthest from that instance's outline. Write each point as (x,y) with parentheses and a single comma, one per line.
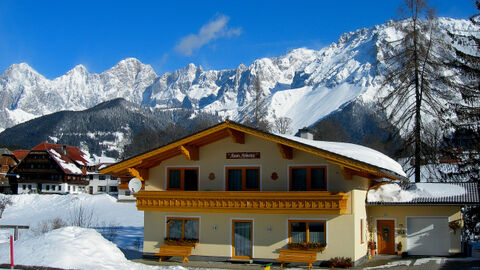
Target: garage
(428,236)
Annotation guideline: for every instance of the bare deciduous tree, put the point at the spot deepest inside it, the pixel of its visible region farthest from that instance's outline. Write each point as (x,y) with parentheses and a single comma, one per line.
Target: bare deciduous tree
(259,110)
(4,202)
(83,217)
(282,125)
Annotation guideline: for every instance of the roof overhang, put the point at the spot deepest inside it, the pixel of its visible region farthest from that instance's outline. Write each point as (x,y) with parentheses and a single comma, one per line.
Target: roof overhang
(188,146)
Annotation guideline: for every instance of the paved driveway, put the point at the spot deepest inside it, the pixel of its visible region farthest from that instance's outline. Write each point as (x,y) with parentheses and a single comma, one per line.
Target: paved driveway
(430,263)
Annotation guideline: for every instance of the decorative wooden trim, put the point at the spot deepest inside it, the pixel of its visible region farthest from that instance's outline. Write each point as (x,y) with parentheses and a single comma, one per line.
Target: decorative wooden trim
(286,151)
(237,136)
(303,202)
(346,172)
(190,151)
(158,153)
(141,174)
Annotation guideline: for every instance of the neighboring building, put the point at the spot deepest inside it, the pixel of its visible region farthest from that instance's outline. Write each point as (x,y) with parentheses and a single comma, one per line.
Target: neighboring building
(7,162)
(246,194)
(53,168)
(20,154)
(102,183)
(124,194)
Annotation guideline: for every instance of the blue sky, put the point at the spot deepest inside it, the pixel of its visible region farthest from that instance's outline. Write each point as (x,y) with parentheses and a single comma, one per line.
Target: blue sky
(54,36)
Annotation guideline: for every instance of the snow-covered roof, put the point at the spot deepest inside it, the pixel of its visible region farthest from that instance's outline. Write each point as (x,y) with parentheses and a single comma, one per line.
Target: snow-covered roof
(353,155)
(5,152)
(424,193)
(353,151)
(69,158)
(68,167)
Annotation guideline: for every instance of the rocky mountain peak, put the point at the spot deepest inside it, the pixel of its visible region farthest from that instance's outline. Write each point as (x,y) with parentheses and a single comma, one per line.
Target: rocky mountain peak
(19,71)
(304,84)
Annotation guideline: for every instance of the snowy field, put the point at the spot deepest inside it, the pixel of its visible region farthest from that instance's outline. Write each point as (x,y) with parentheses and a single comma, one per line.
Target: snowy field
(73,247)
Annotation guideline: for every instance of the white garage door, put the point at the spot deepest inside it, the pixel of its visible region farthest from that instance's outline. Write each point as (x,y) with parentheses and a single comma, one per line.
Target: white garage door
(428,236)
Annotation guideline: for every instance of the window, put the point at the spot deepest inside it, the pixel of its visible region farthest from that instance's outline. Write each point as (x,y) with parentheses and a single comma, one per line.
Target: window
(308,178)
(113,189)
(101,188)
(127,193)
(59,187)
(182,178)
(182,228)
(47,187)
(243,178)
(362,238)
(68,188)
(29,186)
(101,177)
(306,231)
(24,187)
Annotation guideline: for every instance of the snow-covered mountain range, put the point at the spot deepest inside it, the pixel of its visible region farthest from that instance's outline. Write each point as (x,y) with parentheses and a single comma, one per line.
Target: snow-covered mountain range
(305,85)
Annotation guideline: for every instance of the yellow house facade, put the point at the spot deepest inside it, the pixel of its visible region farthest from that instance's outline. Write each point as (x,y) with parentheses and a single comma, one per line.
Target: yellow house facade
(237,193)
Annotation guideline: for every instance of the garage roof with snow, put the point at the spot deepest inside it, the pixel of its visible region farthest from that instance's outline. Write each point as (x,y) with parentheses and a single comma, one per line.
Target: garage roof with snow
(424,194)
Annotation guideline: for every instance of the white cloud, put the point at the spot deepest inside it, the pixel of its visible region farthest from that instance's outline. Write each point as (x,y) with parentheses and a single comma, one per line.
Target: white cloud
(214,29)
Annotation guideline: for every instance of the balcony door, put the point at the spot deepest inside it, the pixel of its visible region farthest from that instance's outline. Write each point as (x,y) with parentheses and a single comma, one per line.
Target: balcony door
(242,239)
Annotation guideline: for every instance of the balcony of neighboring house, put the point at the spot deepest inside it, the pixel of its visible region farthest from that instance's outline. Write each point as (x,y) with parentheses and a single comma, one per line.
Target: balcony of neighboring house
(278,202)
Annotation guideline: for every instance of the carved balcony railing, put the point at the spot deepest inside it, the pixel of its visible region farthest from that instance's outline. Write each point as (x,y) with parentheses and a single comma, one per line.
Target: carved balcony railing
(300,202)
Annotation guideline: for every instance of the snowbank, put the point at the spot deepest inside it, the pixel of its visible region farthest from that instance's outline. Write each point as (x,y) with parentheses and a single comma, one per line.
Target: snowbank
(70,248)
(33,209)
(394,193)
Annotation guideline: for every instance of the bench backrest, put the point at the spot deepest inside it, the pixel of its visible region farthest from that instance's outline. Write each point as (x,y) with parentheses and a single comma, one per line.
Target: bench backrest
(305,254)
(184,250)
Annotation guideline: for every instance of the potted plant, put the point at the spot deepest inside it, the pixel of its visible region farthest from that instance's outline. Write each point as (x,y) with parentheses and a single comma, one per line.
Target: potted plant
(399,248)
(180,241)
(372,246)
(318,246)
(454,225)
(343,262)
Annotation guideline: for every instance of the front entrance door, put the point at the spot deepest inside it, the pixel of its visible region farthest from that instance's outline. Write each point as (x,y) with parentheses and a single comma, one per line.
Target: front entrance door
(242,232)
(386,236)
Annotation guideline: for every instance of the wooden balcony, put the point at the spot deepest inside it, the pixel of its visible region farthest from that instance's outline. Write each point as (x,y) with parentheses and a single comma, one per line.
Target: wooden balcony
(301,202)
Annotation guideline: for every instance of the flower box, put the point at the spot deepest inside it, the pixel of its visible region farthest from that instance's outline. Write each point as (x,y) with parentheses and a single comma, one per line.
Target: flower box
(307,246)
(181,242)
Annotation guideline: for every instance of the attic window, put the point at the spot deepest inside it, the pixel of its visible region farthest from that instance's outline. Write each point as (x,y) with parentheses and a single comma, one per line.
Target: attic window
(308,178)
(182,178)
(243,178)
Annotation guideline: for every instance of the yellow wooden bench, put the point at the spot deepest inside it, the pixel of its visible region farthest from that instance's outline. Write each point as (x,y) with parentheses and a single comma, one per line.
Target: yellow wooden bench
(299,256)
(174,251)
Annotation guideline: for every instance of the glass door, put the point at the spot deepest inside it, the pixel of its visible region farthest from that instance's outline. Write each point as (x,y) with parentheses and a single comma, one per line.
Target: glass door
(242,233)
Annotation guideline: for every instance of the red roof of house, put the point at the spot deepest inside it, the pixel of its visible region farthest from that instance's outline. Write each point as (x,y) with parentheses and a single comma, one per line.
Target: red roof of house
(69,158)
(20,154)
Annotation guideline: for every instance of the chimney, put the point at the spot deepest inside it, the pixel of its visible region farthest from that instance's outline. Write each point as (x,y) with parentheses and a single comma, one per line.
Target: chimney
(305,133)
(64,149)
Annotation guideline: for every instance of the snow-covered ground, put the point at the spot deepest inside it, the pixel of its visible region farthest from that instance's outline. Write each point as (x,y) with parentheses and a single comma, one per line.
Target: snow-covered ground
(69,248)
(115,232)
(73,247)
(33,209)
